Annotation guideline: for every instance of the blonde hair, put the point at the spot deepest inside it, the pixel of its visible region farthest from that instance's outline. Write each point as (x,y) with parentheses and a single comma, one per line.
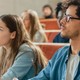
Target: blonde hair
(35,23)
(14,23)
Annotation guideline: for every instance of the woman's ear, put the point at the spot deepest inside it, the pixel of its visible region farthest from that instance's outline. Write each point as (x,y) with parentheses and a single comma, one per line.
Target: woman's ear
(13,35)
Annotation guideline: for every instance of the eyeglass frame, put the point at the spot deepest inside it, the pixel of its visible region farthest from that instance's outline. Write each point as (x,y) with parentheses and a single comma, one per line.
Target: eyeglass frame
(68,17)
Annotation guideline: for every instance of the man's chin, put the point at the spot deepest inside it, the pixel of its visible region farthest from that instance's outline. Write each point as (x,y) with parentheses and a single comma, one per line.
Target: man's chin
(64,36)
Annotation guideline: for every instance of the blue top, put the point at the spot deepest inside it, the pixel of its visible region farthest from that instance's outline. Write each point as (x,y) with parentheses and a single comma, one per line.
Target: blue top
(59,39)
(56,68)
(22,67)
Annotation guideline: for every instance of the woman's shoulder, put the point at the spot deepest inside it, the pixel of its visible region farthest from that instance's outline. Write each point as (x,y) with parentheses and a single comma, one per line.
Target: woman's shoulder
(25,47)
(25,50)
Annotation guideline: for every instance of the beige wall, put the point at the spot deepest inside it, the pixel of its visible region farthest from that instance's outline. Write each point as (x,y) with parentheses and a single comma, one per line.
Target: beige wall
(17,6)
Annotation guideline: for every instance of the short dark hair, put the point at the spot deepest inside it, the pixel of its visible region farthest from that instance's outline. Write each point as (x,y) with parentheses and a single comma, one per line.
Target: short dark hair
(75,3)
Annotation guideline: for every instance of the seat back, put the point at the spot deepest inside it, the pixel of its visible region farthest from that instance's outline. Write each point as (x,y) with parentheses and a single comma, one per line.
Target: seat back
(49,49)
(50,24)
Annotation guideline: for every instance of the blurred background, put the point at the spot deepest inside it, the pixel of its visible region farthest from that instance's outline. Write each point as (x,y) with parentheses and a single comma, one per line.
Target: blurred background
(18,6)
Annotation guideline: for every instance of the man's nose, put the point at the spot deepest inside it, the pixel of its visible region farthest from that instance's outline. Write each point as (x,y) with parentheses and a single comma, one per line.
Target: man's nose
(63,21)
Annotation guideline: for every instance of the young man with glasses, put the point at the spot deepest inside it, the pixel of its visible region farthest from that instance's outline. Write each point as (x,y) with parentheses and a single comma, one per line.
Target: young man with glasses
(65,64)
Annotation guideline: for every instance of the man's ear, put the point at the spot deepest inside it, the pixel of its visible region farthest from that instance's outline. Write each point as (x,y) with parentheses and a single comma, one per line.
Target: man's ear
(13,35)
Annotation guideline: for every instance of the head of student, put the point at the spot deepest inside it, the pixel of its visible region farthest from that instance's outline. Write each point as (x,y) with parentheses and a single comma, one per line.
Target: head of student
(70,23)
(47,11)
(31,20)
(12,30)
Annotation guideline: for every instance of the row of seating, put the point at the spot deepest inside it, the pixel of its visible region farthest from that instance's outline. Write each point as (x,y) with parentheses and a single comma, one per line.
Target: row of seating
(50,48)
(51,28)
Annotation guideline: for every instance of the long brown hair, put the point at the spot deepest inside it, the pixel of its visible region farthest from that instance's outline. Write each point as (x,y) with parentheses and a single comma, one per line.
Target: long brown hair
(15,23)
(35,24)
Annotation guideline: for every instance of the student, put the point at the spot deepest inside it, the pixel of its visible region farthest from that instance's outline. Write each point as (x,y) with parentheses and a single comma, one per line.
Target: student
(47,12)
(65,64)
(18,56)
(33,26)
(60,12)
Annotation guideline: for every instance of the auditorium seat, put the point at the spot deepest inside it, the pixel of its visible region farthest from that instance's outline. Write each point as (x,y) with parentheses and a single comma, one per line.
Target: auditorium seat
(50,24)
(51,34)
(50,48)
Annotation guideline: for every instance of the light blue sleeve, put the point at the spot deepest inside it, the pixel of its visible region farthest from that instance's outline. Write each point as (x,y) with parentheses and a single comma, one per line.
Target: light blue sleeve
(20,67)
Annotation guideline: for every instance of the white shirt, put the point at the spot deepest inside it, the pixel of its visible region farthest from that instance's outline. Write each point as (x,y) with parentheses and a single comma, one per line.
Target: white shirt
(72,67)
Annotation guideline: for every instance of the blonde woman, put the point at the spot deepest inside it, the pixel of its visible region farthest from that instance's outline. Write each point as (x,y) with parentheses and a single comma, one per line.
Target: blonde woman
(18,56)
(33,26)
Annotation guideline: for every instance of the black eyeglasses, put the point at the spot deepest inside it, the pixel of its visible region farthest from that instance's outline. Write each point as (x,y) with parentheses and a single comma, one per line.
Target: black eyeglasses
(68,18)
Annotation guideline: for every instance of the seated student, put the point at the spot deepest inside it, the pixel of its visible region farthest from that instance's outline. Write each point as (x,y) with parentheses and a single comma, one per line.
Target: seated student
(65,64)
(33,26)
(18,56)
(47,12)
(60,11)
